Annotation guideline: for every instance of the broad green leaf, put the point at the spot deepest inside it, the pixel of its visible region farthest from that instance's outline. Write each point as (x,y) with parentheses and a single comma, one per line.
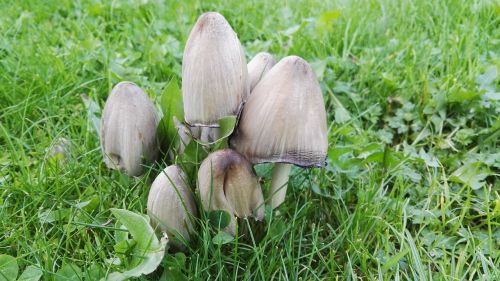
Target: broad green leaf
(222,238)
(166,134)
(226,125)
(94,272)
(172,274)
(31,273)
(430,160)
(488,77)
(139,228)
(226,128)
(68,272)
(326,19)
(171,106)
(395,259)
(173,266)
(148,251)
(93,113)
(319,68)
(341,113)
(50,216)
(291,30)
(89,205)
(472,175)
(462,96)
(219,219)
(171,100)
(321,192)
(8,268)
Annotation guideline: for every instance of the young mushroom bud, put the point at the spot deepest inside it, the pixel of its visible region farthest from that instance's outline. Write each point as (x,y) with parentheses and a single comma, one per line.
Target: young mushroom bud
(258,67)
(227,182)
(214,72)
(284,122)
(128,129)
(171,204)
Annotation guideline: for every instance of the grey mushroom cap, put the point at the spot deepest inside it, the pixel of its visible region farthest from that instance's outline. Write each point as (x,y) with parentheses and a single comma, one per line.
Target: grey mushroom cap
(258,67)
(214,72)
(171,204)
(226,181)
(284,119)
(128,129)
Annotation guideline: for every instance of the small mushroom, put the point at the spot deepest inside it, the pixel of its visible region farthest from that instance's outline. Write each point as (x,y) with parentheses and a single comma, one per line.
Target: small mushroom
(171,204)
(214,72)
(258,67)
(284,122)
(227,182)
(60,150)
(128,130)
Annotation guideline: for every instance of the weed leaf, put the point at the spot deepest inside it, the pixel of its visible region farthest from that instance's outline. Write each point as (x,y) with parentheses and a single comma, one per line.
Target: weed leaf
(8,268)
(148,250)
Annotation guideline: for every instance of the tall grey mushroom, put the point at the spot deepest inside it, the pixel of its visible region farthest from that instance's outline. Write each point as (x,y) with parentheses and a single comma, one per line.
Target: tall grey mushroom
(226,181)
(284,122)
(171,204)
(214,73)
(258,67)
(128,129)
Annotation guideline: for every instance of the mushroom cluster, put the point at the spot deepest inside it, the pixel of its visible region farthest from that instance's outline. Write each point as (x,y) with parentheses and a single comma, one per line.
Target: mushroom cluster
(280,115)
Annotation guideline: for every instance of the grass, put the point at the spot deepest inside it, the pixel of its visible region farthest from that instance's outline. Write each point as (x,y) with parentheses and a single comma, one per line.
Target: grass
(411,190)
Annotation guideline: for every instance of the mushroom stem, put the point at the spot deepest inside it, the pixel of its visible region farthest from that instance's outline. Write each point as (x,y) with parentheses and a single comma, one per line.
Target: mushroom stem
(209,134)
(205,134)
(279,183)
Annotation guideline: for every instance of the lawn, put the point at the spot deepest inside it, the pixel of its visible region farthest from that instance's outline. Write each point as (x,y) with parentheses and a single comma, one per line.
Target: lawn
(411,189)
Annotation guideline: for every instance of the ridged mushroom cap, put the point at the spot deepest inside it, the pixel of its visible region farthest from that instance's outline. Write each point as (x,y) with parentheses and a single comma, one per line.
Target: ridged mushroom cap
(214,72)
(226,181)
(258,67)
(284,119)
(171,204)
(128,129)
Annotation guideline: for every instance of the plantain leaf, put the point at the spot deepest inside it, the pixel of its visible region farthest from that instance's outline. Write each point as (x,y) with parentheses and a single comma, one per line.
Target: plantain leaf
(222,238)
(8,268)
(68,272)
(148,251)
(31,273)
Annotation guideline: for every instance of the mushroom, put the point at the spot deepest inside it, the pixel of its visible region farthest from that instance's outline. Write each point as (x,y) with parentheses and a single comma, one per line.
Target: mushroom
(284,122)
(214,72)
(171,204)
(227,182)
(128,129)
(258,67)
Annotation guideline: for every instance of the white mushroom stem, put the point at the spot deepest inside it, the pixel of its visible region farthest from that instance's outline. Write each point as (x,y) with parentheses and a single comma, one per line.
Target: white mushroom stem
(205,134)
(279,183)
(208,134)
(214,134)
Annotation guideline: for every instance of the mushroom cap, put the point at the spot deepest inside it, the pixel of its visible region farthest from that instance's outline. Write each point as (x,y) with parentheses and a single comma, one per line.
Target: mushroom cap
(128,129)
(214,72)
(258,67)
(171,203)
(226,181)
(284,119)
